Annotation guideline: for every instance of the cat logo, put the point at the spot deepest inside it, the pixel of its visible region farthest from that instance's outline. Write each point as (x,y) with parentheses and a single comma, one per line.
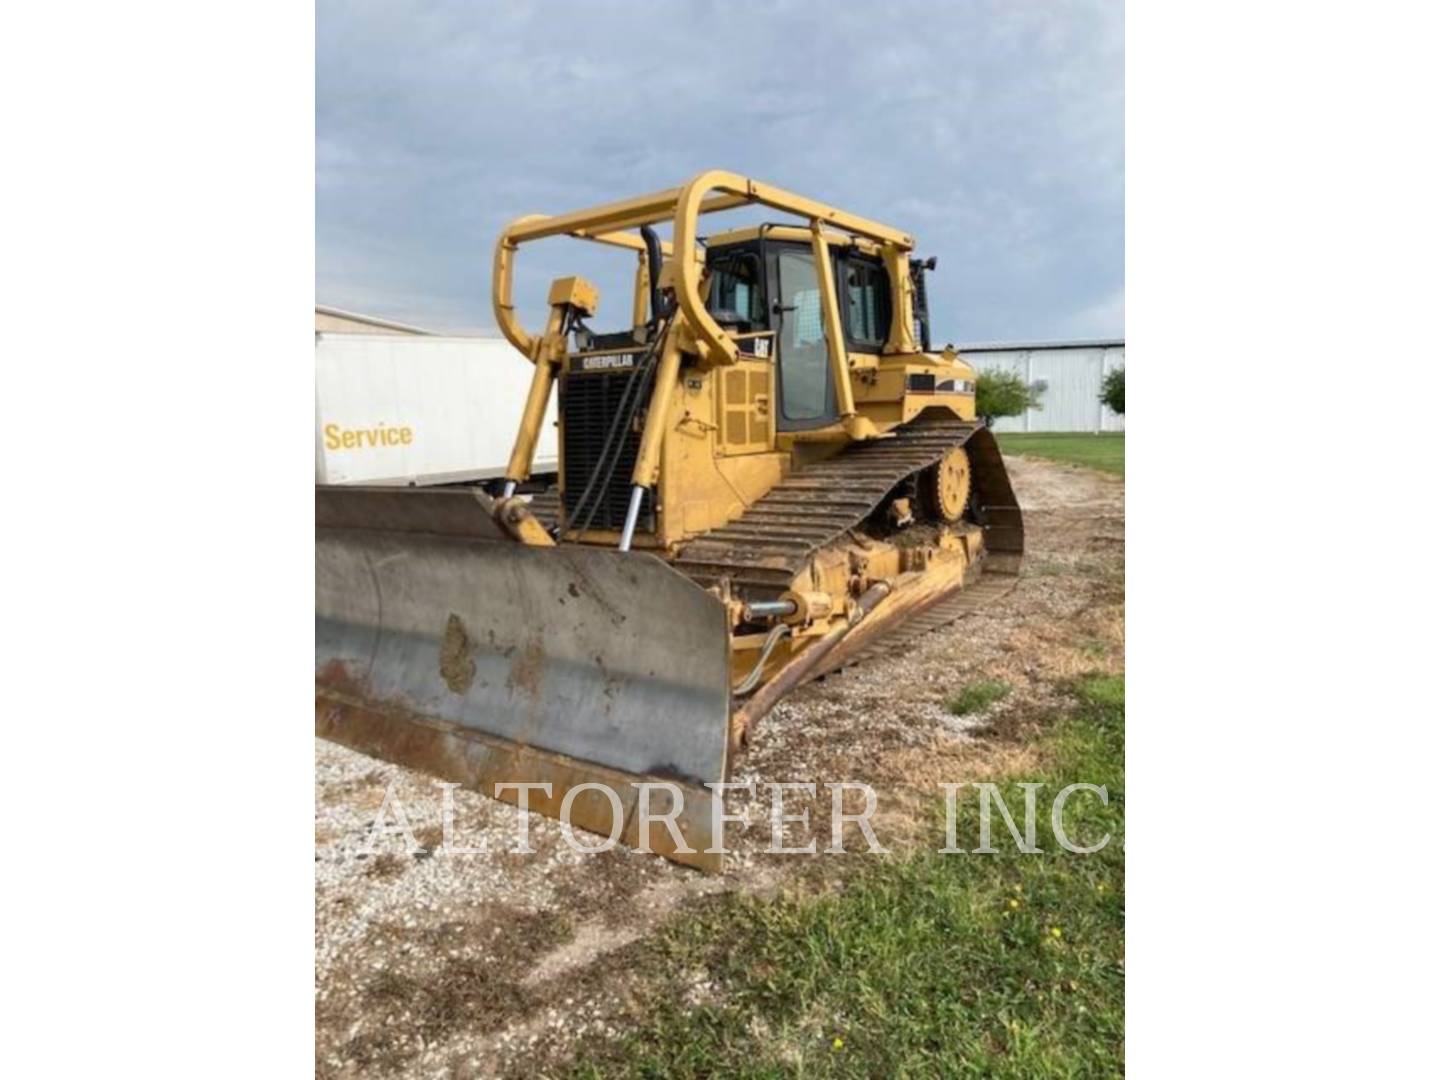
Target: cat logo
(608,362)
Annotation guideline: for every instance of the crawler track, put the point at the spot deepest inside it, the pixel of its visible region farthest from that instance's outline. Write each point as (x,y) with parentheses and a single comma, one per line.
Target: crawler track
(762,550)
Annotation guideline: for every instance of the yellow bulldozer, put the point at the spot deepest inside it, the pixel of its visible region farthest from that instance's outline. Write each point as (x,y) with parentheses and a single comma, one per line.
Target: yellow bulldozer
(768,475)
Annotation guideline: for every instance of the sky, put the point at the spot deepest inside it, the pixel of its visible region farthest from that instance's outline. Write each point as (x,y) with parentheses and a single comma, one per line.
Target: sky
(993,131)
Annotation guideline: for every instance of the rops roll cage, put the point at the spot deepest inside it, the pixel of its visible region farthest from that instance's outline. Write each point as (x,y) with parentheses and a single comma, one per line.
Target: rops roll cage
(708,193)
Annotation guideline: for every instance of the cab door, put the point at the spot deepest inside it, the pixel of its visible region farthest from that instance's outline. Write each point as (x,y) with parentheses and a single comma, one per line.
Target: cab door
(805,389)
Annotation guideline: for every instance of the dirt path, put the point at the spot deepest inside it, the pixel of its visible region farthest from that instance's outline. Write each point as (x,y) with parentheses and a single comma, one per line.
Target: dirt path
(478,965)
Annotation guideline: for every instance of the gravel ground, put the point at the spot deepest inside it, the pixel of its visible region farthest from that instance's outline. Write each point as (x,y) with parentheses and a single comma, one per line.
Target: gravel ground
(433,965)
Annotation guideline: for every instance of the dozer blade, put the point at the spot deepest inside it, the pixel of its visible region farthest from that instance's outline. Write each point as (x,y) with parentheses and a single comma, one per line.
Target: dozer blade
(445,646)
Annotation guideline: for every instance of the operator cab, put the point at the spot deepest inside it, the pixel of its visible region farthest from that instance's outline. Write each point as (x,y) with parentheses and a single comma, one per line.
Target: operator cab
(763,287)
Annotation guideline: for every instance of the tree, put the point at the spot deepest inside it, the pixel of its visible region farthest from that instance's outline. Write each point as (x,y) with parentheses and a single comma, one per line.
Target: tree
(1112,391)
(1003,393)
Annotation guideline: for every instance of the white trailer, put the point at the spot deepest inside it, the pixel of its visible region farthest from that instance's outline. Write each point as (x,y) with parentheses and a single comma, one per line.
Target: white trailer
(400,409)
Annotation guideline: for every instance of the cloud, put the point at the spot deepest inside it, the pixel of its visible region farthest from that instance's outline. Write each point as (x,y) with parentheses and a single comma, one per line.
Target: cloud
(1099,320)
(994,132)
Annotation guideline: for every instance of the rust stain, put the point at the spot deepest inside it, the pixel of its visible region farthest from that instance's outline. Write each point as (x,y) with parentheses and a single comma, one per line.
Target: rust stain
(390,732)
(393,738)
(336,676)
(457,665)
(527,669)
(612,683)
(581,583)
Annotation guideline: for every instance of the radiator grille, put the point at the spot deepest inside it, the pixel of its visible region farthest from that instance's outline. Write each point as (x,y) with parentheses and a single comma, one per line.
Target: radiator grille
(588,406)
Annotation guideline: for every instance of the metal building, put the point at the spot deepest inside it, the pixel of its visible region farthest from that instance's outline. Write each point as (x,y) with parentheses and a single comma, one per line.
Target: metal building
(1071,372)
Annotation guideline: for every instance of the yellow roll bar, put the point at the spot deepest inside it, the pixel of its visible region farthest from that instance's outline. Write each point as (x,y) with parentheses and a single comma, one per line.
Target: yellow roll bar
(707,193)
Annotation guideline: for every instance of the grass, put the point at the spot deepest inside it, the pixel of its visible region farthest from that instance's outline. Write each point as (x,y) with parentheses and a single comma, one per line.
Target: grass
(1105,452)
(977,696)
(920,965)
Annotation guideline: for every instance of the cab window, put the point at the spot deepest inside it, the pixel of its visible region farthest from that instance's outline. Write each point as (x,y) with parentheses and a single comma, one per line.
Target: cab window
(806,396)
(735,291)
(867,302)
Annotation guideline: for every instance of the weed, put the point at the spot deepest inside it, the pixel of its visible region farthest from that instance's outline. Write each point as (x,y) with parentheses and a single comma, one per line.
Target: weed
(977,696)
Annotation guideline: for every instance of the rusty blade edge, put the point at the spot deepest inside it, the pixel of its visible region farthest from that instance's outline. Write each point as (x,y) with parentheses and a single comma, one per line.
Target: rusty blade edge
(479,762)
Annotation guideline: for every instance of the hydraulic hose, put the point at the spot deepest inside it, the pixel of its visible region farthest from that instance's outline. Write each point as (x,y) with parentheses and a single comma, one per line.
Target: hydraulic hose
(635,392)
(796,672)
(752,680)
